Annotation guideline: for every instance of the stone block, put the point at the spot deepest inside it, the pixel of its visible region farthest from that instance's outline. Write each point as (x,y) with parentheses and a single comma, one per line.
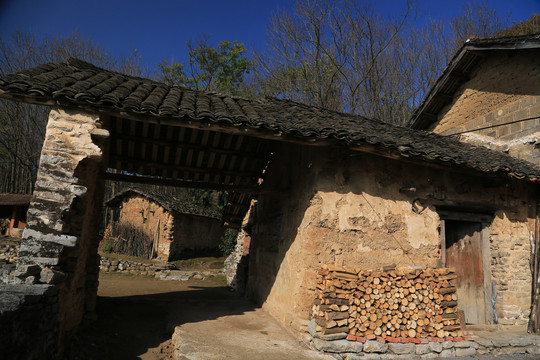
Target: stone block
(311,327)
(50,276)
(465,351)
(448,353)
(422,349)
(330,337)
(338,346)
(521,340)
(375,347)
(353,356)
(400,349)
(27,270)
(534,350)
(510,350)
(436,347)
(500,342)
(430,356)
(466,344)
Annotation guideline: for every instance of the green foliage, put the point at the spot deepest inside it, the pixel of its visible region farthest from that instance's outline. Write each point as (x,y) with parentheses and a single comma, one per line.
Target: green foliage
(228,241)
(107,247)
(220,69)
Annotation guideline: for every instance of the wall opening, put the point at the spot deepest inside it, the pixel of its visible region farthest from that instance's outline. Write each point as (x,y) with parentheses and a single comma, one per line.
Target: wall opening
(465,247)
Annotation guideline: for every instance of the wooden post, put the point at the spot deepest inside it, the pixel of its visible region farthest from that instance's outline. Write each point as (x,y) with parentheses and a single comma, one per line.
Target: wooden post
(156,241)
(534,320)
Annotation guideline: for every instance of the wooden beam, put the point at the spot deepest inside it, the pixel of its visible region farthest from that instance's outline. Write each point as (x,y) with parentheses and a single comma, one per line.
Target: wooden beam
(137,163)
(233,130)
(186,184)
(459,76)
(445,98)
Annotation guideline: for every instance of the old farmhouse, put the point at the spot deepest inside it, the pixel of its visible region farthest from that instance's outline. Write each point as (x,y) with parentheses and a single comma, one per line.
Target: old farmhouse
(489,95)
(166,227)
(328,189)
(13,209)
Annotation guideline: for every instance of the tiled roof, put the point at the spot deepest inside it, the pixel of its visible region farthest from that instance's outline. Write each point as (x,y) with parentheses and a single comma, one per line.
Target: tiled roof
(79,84)
(15,199)
(167,202)
(458,70)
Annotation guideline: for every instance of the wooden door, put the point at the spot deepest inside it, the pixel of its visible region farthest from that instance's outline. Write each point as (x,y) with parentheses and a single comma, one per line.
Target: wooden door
(464,253)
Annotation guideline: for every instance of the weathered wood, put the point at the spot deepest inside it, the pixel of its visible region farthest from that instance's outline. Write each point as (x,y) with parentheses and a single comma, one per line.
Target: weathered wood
(534,319)
(188,184)
(401,302)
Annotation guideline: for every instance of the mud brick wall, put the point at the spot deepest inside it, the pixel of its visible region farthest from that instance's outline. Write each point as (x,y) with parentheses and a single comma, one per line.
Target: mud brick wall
(361,211)
(502,89)
(194,233)
(401,303)
(176,232)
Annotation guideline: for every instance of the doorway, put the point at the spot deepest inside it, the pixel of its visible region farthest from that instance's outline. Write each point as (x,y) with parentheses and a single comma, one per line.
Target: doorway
(465,247)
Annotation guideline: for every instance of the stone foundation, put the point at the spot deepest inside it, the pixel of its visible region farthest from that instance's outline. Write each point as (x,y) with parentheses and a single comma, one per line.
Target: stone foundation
(442,348)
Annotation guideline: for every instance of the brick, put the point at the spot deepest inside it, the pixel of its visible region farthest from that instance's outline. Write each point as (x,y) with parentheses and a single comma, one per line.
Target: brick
(351,337)
(361,339)
(449,338)
(371,337)
(381,339)
(392,339)
(458,339)
(415,341)
(404,340)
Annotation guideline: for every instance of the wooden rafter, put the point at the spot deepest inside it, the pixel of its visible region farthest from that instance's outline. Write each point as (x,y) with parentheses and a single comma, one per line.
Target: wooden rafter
(138,164)
(252,189)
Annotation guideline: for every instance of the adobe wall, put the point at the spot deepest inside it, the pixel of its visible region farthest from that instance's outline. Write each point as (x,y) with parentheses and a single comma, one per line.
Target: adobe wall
(502,89)
(356,210)
(195,233)
(145,214)
(57,269)
(176,233)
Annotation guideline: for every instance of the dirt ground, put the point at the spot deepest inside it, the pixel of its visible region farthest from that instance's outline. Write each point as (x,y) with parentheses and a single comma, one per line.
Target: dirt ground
(136,317)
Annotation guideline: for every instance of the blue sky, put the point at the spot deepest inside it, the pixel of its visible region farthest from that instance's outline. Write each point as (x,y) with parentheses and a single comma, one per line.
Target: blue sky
(160,29)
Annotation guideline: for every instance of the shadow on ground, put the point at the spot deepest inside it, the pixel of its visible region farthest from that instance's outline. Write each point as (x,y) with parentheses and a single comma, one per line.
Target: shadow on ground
(140,326)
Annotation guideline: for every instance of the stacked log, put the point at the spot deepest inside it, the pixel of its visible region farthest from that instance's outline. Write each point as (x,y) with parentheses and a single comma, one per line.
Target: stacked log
(400,303)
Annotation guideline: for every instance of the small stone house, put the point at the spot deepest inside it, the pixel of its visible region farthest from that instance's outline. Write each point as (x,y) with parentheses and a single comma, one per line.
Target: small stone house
(322,188)
(489,95)
(13,208)
(171,229)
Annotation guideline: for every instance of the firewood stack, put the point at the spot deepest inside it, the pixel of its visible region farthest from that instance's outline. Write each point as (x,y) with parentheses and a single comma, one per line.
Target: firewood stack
(399,303)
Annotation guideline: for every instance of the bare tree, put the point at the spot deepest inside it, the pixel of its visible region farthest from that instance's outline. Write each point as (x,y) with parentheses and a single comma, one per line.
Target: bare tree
(477,19)
(345,56)
(330,54)
(22,126)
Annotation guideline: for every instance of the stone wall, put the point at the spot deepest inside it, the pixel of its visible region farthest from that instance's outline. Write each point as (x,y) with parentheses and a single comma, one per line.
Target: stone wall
(26,329)
(361,211)
(133,267)
(59,245)
(502,89)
